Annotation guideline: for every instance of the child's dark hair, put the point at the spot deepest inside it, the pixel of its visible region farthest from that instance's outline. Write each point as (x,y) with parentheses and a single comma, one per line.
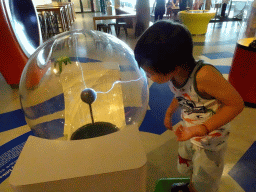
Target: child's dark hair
(165,45)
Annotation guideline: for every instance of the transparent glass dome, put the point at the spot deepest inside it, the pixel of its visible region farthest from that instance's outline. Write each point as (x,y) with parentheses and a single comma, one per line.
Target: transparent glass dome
(79,79)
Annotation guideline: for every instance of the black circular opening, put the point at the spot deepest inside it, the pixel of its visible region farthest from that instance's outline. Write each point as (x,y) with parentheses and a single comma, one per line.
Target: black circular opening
(94,130)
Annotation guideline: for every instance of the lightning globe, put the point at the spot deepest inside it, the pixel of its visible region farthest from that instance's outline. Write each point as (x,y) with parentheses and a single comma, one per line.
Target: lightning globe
(84,97)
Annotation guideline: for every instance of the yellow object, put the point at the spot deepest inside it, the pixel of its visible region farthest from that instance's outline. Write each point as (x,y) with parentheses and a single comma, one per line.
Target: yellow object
(196,20)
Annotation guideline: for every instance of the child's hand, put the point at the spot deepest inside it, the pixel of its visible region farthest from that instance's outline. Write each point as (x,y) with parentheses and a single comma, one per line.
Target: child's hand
(168,122)
(183,133)
(186,133)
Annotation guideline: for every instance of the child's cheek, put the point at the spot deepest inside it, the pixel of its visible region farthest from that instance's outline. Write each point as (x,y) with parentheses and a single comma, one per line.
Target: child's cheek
(153,78)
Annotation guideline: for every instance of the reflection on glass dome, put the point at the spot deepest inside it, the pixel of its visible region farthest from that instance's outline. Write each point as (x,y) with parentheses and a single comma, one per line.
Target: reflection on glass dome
(247,34)
(56,75)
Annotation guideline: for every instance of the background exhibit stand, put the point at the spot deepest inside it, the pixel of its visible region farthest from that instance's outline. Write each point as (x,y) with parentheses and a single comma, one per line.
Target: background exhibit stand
(242,73)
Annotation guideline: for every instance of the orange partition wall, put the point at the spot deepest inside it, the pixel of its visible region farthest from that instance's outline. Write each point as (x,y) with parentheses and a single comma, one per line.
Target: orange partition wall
(35,73)
(12,57)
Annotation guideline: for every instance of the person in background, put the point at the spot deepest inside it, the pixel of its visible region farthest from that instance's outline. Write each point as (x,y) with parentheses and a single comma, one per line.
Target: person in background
(198,4)
(251,22)
(159,9)
(183,5)
(224,7)
(170,5)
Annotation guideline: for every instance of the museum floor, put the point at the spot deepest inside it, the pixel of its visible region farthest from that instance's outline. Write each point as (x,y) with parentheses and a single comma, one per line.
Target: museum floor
(216,47)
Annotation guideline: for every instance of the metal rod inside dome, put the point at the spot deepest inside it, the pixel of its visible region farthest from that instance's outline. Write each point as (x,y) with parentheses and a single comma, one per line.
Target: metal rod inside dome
(91,113)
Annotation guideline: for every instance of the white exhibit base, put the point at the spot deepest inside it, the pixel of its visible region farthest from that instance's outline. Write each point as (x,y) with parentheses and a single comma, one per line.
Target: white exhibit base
(114,162)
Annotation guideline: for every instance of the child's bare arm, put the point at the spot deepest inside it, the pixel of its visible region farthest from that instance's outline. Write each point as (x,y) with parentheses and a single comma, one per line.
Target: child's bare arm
(210,82)
(169,112)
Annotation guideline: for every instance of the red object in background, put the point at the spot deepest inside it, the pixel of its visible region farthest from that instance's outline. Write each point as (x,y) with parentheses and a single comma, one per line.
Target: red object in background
(34,74)
(20,37)
(243,73)
(12,58)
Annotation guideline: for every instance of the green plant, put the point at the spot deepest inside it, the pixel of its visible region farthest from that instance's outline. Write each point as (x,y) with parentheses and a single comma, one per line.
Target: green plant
(61,60)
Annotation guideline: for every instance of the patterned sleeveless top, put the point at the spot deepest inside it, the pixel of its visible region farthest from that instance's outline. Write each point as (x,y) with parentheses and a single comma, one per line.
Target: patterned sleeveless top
(196,110)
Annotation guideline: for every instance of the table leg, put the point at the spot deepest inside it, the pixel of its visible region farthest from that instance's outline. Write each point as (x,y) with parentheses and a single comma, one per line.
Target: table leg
(94,24)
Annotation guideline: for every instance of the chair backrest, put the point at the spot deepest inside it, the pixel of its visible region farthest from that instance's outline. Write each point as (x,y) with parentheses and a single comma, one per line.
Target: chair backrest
(129,22)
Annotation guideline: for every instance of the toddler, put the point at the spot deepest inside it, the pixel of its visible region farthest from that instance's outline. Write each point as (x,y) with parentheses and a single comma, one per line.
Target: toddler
(208,101)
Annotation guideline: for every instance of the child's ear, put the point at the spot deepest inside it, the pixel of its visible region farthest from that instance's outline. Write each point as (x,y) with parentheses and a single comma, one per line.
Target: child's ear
(177,69)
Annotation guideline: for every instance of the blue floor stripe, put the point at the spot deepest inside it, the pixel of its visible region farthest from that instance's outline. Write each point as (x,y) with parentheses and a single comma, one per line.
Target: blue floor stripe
(9,153)
(48,107)
(160,97)
(219,55)
(50,130)
(244,171)
(12,120)
(83,59)
(126,68)
(223,69)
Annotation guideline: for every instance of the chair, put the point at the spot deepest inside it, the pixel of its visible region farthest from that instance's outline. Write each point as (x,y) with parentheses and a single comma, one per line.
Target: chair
(106,28)
(59,12)
(43,26)
(112,24)
(118,25)
(52,24)
(125,23)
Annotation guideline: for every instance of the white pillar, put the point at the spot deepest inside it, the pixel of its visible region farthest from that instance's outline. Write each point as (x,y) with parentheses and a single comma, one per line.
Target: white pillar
(143,16)
(117,4)
(208,4)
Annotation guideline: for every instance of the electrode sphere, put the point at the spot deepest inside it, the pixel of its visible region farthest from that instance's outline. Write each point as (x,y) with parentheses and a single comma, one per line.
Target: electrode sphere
(77,68)
(88,96)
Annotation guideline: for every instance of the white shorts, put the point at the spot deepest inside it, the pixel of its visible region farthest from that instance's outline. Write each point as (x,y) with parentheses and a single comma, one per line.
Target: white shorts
(204,166)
